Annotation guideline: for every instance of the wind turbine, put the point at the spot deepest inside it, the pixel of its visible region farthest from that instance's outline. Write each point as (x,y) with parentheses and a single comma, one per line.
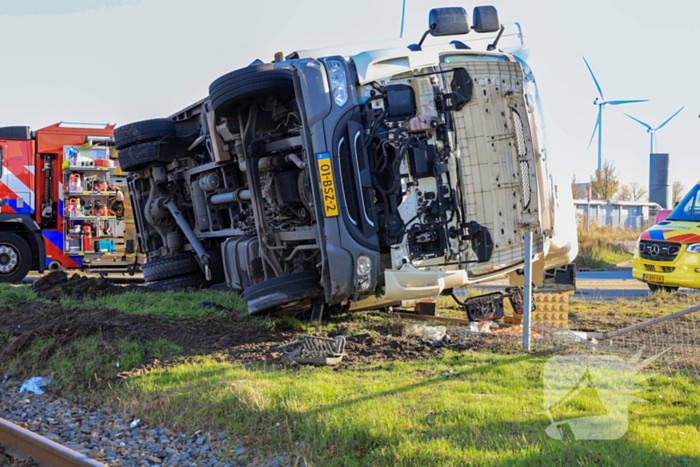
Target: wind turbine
(652,131)
(599,123)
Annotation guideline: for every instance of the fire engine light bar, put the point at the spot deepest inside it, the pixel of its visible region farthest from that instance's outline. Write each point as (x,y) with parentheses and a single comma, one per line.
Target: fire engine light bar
(89,126)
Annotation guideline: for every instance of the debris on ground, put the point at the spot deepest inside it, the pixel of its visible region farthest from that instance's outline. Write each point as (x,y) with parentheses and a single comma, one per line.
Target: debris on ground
(433,333)
(35,384)
(59,283)
(316,350)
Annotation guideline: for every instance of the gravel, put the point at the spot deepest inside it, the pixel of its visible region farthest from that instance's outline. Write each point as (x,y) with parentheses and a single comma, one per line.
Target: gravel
(107,436)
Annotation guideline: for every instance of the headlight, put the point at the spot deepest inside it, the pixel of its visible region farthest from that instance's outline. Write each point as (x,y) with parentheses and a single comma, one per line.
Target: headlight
(364,266)
(694,248)
(339,82)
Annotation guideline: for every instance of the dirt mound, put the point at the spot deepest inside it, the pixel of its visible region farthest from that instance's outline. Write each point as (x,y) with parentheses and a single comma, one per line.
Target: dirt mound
(231,338)
(58,283)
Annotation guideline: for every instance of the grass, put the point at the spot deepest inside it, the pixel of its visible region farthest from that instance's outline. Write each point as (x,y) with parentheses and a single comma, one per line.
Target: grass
(472,408)
(595,250)
(475,408)
(89,361)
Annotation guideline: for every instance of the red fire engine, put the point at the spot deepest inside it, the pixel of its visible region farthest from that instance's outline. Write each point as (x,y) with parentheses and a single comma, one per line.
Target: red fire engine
(61,200)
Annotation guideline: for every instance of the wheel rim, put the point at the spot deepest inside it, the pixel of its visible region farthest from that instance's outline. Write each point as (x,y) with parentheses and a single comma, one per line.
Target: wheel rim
(9,258)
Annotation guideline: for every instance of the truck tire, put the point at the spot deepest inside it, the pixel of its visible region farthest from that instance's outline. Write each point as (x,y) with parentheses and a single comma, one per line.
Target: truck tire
(144,131)
(172,266)
(284,294)
(15,257)
(135,158)
(190,281)
(233,88)
(661,288)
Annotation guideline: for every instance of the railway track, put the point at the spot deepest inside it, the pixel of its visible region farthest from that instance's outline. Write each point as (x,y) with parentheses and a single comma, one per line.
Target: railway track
(38,451)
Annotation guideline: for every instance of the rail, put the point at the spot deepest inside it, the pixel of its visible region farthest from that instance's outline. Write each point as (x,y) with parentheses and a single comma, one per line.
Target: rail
(23,444)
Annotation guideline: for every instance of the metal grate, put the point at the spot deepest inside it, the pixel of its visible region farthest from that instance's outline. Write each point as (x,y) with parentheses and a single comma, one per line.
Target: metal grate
(650,267)
(348,180)
(519,134)
(659,251)
(525,181)
(668,268)
(367,194)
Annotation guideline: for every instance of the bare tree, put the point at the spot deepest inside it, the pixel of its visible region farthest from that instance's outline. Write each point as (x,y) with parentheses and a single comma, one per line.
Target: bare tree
(624,193)
(639,192)
(576,189)
(678,192)
(605,182)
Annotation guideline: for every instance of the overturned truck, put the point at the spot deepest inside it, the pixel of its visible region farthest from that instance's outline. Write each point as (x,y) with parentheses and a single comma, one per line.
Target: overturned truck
(353,182)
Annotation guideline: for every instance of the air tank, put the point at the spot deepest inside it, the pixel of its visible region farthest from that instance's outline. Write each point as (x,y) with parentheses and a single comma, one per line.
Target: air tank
(659,188)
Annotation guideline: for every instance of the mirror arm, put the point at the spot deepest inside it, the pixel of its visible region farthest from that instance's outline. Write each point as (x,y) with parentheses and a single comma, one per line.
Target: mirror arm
(498,38)
(432,27)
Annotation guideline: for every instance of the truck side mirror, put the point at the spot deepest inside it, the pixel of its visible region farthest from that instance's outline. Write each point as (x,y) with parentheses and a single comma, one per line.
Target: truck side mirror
(486,19)
(448,21)
(445,22)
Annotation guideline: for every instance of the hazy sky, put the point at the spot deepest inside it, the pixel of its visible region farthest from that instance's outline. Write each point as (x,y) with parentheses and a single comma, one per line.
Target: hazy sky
(119,61)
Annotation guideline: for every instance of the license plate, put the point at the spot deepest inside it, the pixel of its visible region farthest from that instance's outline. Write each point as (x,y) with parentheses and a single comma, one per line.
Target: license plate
(653,278)
(330,202)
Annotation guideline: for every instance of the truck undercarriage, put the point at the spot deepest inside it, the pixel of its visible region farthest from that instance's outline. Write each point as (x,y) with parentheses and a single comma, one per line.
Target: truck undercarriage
(342,182)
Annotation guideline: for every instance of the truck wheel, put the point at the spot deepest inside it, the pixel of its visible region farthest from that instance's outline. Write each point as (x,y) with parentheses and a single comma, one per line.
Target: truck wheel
(137,157)
(661,288)
(144,131)
(284,295)
(232,88)
(173,266)
(15,257)
(190,281)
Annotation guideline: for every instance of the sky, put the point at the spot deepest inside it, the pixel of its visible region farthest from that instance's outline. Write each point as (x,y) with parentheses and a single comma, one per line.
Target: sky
(119,61)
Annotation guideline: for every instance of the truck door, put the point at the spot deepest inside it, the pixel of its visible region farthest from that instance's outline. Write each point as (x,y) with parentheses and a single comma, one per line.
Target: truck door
(3,182)
(496,157)
(17,178)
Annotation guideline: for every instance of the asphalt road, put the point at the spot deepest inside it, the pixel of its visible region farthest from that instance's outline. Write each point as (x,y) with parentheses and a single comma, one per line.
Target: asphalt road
(601,285)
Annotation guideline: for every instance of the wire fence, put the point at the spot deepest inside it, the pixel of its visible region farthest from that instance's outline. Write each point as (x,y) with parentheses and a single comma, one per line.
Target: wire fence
(670,343)
(627,222)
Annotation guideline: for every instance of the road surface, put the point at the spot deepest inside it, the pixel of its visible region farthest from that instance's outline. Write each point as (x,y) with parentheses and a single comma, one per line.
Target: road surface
(600,285)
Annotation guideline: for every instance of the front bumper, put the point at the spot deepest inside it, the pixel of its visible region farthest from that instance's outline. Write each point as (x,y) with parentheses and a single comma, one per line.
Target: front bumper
(682,274)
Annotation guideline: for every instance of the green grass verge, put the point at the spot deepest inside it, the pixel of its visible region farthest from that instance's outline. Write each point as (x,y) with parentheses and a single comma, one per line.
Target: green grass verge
(476,408)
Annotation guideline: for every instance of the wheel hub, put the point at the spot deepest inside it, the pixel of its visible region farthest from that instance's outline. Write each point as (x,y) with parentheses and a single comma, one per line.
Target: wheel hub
(9,259)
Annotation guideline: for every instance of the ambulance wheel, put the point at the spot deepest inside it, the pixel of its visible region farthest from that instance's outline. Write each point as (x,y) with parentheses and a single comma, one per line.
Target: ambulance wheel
(662,288)
(144,131)
(254,81)
(15,257)
(172,266)
(190,281)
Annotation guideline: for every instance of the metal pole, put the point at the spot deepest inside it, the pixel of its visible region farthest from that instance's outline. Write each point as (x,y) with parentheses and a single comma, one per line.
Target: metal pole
(527,313)
(403,17)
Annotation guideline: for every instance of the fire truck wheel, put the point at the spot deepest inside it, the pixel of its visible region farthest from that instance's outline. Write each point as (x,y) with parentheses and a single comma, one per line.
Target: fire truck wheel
(137,157)
(55,266)
(144,131)
(190,281)
(15,257)
(284,295)
(253,81)
(173,266)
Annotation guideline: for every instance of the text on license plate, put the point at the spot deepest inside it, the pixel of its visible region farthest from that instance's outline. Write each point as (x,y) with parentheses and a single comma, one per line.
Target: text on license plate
(653,278)
(325,170)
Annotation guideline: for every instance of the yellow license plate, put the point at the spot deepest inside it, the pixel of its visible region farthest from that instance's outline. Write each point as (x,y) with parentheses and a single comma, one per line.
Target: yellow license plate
(653,278)
(330,201)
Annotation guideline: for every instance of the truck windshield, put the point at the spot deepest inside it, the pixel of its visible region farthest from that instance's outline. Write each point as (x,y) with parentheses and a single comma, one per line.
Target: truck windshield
(689,209)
